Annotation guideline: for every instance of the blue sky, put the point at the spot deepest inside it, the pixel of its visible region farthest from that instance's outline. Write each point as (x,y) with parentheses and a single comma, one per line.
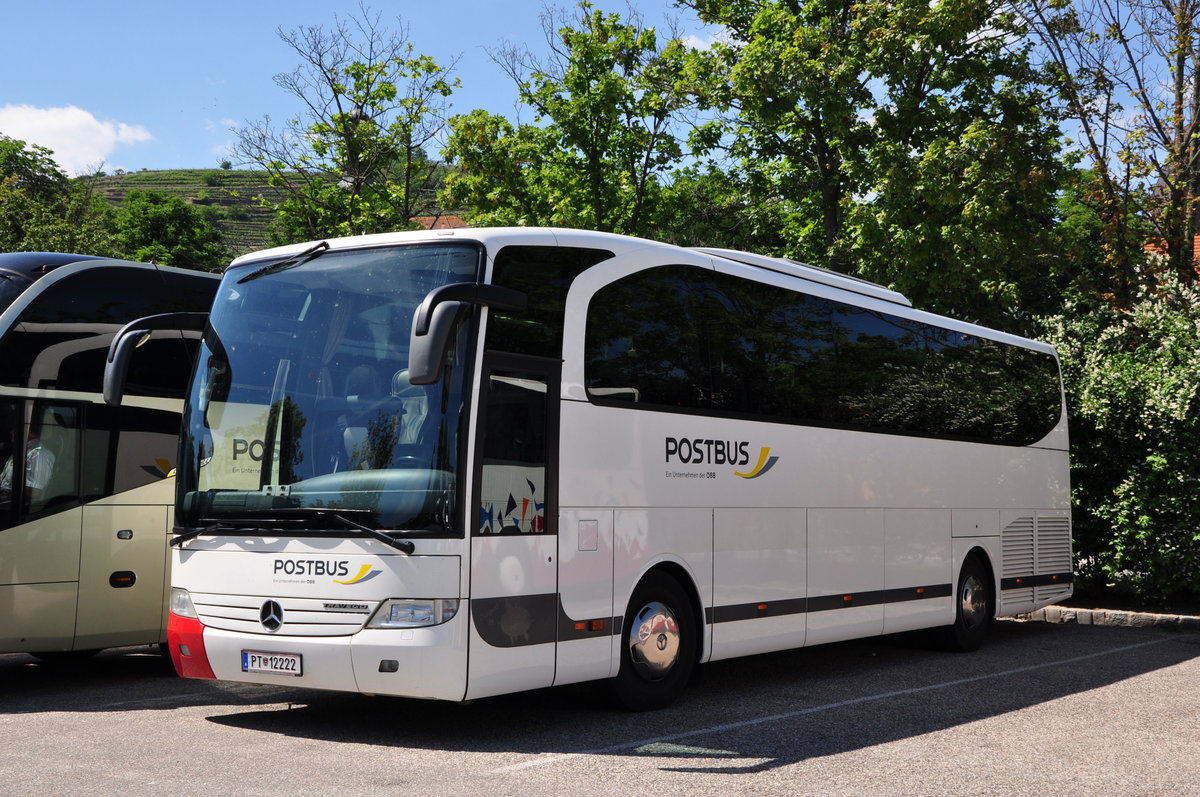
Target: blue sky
(158,85)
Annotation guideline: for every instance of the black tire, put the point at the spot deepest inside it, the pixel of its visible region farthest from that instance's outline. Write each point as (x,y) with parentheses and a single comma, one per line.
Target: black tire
(974,607)
(659,641)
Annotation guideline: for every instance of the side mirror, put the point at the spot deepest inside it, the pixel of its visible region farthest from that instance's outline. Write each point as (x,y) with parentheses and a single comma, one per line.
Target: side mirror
(437,317)
(427,352)
(134,334)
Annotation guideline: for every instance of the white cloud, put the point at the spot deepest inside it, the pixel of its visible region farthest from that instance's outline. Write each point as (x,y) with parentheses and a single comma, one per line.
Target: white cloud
(79,140)
(224,150)
(720,34)
(219,124)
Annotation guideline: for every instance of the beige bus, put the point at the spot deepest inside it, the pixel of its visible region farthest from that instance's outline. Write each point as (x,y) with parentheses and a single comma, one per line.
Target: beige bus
(85,498)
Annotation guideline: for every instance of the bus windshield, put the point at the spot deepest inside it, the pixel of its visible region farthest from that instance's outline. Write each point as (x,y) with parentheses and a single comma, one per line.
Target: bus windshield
(301,408)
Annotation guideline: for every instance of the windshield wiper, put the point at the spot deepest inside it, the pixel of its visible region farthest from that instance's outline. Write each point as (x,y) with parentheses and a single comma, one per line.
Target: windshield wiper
(403,546)
(258,525)
(314,251)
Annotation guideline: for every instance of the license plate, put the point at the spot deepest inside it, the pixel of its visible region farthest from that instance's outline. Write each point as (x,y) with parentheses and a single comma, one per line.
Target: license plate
(273,663)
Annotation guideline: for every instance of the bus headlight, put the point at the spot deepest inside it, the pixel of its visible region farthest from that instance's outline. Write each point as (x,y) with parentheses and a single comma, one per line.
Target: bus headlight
(181,603)
(413,613)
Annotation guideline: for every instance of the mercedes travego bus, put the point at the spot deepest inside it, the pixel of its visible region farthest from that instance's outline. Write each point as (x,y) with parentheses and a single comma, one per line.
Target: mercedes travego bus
(461,463)
(85,505)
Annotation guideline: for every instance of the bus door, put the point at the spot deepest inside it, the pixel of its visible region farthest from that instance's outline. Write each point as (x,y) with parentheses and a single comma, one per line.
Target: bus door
(514,583)
(121,579)
(40,521)
(127,453)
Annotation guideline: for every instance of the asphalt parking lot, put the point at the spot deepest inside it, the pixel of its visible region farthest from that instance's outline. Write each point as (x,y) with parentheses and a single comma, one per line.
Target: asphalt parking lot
(1043,708)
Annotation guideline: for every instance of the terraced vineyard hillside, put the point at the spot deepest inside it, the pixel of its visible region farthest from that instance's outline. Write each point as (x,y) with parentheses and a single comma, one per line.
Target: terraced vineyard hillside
(230,199)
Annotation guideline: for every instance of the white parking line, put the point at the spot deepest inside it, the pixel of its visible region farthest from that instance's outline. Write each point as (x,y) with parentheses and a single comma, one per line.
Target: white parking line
(546,760)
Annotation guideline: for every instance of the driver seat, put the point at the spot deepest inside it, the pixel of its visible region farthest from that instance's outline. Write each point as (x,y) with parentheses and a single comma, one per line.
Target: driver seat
(415,400)
(362,388)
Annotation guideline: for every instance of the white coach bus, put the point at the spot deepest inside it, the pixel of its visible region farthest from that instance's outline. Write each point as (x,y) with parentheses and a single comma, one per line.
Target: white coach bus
(462,463)
(85,505)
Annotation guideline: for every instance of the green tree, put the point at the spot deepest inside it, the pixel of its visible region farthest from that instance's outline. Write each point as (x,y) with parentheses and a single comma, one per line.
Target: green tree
(157,227)
(42,210)
(501,172)
(32,169)
(355,160)
(791,79)
(1128,75)
(609,104)
(909,139)
(961,214)
(707,205)
(1088,240)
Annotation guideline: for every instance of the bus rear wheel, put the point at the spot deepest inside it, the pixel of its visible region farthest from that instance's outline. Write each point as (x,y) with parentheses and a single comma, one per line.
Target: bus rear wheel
(658,645)
(974,602)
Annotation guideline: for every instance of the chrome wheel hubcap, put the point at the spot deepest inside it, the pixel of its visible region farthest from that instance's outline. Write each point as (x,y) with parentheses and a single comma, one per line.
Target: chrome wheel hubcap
(654,641)
(973,602)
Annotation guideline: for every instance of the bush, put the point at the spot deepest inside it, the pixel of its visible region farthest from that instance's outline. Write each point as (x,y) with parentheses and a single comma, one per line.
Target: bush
(1133,390)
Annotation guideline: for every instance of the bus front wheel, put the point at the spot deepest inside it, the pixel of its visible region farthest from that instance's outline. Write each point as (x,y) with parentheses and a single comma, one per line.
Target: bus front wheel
(659,641)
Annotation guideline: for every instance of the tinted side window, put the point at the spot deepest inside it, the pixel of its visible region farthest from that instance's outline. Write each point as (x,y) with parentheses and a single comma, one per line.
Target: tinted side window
(61,340)
(515,484)
(909,377)
(677,338)
(127,447)
(648,341)
(10,435)
(147,447)
(39,460)
(775,352)
(11,287)
(543,274)
(52,453)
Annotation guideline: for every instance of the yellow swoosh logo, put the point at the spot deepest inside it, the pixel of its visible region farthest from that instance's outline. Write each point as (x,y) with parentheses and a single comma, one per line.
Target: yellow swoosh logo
(362,572)
(764,464)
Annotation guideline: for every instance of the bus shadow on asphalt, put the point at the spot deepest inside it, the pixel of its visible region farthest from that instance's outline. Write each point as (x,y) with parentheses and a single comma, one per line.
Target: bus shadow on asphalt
(60,682)
(96,667)
(116,679)
(755,713)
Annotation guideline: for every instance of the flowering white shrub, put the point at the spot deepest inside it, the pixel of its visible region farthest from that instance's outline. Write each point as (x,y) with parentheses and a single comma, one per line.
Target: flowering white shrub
(1133,391)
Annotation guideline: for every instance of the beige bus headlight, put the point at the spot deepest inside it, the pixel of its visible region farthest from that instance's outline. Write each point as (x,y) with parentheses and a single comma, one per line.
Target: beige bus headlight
(181,603)
(413,613)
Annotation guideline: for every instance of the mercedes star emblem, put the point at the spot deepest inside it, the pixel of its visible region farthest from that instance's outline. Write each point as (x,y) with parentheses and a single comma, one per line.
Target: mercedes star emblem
(271,616)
